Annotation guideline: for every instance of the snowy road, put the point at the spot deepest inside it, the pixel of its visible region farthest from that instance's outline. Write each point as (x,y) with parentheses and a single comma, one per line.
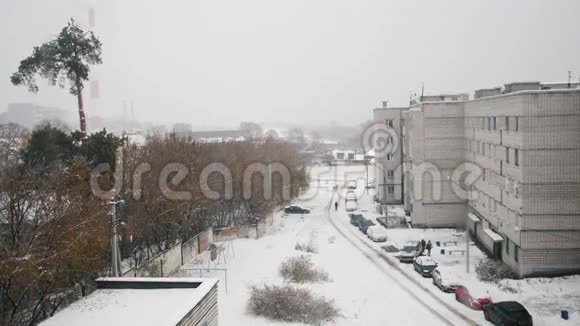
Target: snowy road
(366,289)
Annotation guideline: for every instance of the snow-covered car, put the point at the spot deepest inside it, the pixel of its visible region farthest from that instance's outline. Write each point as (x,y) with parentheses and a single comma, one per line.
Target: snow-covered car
(350,196)
(443,282)
(462,295)
(377,233)
(363,225)
(351,206)
(355,218)
(424,265)
(409,251)
(295,209)
(507,313)
(351,184)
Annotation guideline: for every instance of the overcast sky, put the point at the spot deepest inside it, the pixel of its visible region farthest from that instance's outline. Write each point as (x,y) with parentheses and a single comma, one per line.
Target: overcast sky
(217,62)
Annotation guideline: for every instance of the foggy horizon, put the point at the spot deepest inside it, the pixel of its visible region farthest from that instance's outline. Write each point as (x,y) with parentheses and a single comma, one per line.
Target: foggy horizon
(301,63)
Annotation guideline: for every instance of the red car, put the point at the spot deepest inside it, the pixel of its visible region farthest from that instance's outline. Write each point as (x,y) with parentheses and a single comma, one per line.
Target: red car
(462,295)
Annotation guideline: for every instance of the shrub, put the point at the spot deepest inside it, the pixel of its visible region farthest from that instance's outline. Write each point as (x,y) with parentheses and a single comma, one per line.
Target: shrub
(309,246)
(492,271)
(301,270)
(290,304)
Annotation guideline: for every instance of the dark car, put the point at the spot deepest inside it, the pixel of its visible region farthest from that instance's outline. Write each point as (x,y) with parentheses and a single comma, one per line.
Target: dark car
(363,225)
(355,218)
(424,265)
(508,313)
(295,209)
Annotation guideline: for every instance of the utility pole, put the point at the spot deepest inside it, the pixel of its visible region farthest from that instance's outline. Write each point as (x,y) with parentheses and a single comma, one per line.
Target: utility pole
(467,240)
(115,266)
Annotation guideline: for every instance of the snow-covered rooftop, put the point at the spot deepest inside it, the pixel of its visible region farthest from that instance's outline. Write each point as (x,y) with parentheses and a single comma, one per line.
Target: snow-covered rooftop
(494,236)
(147,301)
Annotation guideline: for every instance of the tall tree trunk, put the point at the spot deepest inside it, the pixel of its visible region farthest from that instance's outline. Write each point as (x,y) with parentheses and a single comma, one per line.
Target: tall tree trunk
(83,122)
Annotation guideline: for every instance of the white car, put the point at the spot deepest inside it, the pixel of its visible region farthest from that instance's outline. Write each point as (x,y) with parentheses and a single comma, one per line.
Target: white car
(443,282)
(350,195)
(351,206)
(377,233)
(351,184)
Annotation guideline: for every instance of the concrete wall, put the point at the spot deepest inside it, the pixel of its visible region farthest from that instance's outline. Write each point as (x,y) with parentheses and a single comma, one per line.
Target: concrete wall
(435,141)
(384,163)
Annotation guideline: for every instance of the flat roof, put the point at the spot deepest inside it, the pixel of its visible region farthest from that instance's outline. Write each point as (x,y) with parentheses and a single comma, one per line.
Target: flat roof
(140,304)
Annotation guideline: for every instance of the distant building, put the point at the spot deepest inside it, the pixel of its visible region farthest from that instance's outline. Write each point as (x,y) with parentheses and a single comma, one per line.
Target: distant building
(343,155)
(29,115)
(388,171)
(216,136)
(182,128)
(144,302)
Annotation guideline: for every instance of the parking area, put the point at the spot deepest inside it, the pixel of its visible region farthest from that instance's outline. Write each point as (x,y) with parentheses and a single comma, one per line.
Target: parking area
(454,262)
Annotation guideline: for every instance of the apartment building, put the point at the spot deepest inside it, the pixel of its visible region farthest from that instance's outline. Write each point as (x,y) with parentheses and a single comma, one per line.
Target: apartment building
(433,147)
(522,141)
(388,164)
(525,208)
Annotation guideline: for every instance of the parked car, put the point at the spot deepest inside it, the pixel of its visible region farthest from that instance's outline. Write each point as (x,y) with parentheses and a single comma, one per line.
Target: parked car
(351,184)
(409,251)
(462,295)
(295,209)
(355,218)
(424,265)
(377,233)
(363,225)
(442,282)
(350,195)
(350,206)
(507,313)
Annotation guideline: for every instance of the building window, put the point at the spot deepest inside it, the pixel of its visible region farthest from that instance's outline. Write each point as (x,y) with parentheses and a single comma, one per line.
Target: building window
(493,125)
(482,149)
(389,156)
(516,253)
(517,157)
(390,173)
(507,123)
(507,246)
(390,123)
(391,190)
(517,123)
(488,123)
(507,154)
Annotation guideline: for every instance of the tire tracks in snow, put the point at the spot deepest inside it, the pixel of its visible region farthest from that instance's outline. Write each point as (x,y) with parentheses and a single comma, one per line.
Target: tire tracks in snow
(440,316)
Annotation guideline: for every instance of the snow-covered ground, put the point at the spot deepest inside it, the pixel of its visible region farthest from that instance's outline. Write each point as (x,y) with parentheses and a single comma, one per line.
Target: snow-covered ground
(369,288)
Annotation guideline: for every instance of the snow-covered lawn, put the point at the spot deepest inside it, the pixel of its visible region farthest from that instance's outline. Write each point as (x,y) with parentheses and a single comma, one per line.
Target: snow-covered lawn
(367,289)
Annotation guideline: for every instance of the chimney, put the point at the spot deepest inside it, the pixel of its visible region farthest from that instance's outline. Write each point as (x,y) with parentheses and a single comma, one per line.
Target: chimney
(385,104)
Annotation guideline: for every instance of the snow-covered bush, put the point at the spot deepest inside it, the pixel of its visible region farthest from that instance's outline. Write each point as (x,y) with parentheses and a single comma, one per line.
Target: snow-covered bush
(301,270)
(309,246)
(489,270)
(287,303)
